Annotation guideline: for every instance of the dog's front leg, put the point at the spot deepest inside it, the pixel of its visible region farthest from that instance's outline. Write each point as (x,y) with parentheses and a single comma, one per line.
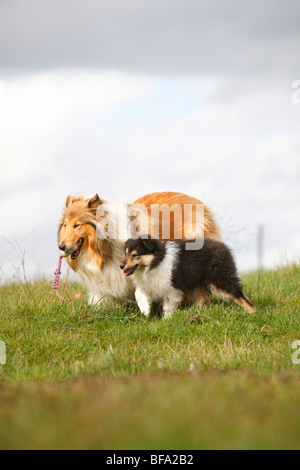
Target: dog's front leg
(169,307)
(171,302)
(143,302)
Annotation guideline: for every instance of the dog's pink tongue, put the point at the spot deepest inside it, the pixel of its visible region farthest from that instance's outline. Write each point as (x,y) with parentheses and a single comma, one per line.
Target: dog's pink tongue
(127,271)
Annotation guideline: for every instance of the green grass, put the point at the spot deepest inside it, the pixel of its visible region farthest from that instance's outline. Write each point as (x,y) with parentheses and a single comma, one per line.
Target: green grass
(81,377)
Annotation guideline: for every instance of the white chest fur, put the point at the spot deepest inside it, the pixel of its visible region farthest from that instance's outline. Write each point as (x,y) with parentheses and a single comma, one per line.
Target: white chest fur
(107,283)
(155,285)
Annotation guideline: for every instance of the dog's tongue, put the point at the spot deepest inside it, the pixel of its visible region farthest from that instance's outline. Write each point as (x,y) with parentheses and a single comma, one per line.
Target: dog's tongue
(127,272)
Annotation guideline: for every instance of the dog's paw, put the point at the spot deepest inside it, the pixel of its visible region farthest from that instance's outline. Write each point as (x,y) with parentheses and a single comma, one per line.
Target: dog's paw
(167,311)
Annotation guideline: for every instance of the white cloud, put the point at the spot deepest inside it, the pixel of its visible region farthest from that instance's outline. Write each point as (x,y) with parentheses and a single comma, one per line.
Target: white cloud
(40,112)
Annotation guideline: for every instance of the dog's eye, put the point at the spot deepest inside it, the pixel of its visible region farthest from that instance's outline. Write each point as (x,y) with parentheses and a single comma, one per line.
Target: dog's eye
(76,225)
(135,256)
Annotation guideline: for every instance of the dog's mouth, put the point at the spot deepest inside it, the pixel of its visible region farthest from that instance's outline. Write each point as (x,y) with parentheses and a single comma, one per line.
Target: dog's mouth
(128,272)
(76,253)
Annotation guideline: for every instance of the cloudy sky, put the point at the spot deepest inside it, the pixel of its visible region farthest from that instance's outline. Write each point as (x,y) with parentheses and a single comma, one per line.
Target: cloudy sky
(128,97)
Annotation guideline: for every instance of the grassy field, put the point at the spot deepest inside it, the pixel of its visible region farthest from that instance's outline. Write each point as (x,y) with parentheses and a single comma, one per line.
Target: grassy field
(80,377)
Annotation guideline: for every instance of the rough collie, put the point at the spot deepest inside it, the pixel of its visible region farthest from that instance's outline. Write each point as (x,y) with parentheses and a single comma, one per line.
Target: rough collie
(93,230)
(168,272)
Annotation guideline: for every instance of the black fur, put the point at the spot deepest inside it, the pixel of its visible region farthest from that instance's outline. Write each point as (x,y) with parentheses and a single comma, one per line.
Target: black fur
(212,265)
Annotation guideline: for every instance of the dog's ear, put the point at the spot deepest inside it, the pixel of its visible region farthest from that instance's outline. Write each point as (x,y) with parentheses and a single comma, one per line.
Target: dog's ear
(68,200)
(94,202)
(149,244)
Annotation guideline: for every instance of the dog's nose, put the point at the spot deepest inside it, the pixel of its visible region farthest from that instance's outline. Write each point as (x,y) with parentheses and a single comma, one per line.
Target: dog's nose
(62,247)
(122,265)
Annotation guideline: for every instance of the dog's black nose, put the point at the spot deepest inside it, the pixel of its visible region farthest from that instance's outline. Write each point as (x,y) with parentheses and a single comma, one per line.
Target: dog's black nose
(62,247)
(122,265)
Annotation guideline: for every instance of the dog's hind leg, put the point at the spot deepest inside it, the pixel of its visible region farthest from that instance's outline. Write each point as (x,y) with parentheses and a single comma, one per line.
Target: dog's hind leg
(222,277)
(201,296)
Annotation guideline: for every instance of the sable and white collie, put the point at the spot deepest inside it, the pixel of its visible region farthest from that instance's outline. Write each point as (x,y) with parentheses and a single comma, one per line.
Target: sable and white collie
(168,272)
(92,238)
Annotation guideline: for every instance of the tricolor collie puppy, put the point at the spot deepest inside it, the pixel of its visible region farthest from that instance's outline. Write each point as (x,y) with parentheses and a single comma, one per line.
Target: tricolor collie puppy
(168,272)
(94,253)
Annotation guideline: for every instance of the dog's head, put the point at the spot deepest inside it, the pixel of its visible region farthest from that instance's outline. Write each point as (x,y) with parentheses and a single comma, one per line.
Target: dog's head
(141,253)
(77,225)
